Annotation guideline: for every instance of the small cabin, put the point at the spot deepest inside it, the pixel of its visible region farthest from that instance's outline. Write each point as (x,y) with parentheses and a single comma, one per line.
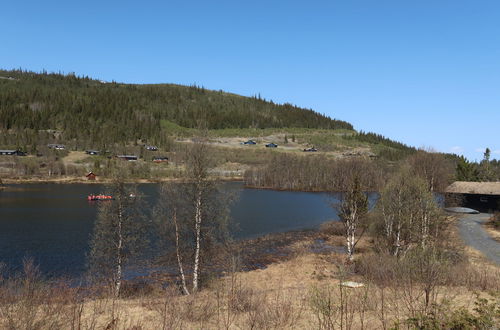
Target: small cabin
(481,196)
(91,176)
(127,157)
(56,146)
(271,145)
(12,153)
(160,159)
(92,152)
(8,152)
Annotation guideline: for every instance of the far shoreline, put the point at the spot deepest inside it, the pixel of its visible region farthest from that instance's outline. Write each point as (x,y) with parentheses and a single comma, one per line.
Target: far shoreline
(75,180)
(78,180)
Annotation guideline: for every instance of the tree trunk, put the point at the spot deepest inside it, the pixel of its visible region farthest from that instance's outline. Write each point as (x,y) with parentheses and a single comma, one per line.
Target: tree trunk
(119,247)
(398,241)
(350,235)
(350,243)
(179,261)
(198,233)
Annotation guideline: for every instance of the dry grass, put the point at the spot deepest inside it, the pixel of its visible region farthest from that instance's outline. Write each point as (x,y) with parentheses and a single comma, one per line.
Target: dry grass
(301,291)
(74,157)
(493,226)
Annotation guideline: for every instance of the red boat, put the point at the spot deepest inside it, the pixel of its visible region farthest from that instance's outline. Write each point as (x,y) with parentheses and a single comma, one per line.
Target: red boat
(99,197)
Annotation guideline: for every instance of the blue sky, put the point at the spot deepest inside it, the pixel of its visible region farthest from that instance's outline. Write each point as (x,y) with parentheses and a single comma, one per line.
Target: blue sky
(426,73)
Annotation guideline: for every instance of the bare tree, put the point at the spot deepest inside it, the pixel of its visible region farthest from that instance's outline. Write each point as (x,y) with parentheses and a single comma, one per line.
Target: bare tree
(197,170)
(353,210)
(119,234)
(433,167)
(407,213)
(194,215)
(173,213)
(315,173)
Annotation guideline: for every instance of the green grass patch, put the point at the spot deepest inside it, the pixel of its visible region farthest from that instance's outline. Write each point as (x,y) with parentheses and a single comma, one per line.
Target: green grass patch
(172,128)
(263,132)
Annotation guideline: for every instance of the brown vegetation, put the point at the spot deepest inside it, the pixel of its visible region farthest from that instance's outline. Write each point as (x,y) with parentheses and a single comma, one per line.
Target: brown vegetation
(315,173)
(432,167)
(411,271)
(495,220)
(302,291)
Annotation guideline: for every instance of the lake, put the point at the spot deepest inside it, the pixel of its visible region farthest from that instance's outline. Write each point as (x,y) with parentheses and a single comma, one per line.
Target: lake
(52,223)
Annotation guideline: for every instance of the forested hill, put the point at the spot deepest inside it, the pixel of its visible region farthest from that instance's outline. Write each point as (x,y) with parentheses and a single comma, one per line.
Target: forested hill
(84,108)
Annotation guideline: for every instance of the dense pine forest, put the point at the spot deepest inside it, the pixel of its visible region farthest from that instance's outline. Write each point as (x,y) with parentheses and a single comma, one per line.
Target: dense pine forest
(90,110)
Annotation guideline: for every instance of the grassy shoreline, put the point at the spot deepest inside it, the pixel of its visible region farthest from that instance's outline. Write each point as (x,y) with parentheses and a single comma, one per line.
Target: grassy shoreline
(299,289)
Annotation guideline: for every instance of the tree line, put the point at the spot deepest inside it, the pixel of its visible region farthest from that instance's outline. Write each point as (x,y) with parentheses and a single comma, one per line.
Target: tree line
(485,170)
(321,173)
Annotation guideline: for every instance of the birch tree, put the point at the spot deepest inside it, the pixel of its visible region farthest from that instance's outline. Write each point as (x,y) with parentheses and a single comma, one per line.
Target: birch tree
(398,206)
(194,216)
(353,210)
(119,234)
(408,214)
(432,167)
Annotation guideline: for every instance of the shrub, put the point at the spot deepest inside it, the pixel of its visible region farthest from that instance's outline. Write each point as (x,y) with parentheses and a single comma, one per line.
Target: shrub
(495,220)
(333,228)
(485,315)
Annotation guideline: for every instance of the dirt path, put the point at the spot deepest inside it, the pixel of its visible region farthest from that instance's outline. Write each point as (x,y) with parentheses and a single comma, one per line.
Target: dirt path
(295,147)
(474,235)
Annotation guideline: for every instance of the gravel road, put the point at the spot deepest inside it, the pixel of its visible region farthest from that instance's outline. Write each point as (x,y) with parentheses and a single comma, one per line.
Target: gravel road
(475,236)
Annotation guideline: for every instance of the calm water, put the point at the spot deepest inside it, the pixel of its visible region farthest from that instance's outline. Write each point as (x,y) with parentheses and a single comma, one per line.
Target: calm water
(52,223)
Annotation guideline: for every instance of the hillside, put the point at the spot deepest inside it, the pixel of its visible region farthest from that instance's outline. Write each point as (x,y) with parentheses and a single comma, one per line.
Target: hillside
(90,109)
(37,109)
(41,107)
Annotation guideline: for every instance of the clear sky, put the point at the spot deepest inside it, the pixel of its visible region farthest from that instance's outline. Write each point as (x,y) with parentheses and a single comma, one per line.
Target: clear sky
(424,72)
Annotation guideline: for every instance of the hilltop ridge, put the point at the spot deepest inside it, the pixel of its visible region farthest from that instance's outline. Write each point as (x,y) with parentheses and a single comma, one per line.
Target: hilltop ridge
(85,108)
(41,107)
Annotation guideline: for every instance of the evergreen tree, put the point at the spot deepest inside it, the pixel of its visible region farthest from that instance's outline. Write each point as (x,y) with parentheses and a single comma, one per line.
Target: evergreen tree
(485,172)
(466,171)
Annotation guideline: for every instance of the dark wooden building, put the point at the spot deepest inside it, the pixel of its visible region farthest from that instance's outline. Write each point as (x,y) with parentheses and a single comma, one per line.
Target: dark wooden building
(127,157)
(56,146)
(481,196)
(12,153)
